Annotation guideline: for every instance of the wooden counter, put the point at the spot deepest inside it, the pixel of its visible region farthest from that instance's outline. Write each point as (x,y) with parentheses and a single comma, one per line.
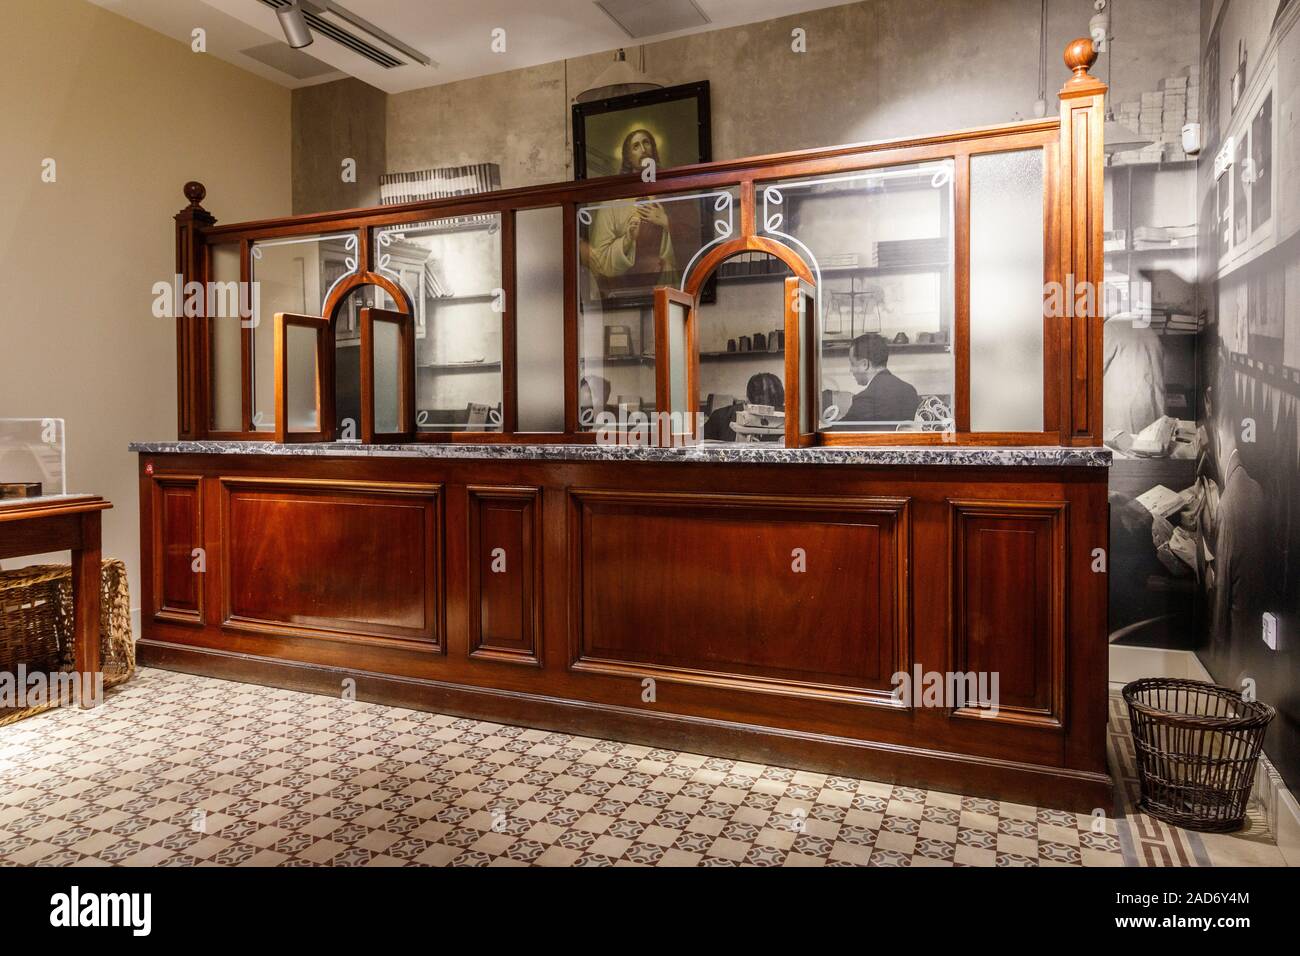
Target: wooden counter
(753,603)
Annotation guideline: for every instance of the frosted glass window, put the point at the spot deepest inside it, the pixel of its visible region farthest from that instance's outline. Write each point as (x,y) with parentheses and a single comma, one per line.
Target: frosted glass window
(388,350)
(539,318)
(1006,291)
(227,340)
(300,378)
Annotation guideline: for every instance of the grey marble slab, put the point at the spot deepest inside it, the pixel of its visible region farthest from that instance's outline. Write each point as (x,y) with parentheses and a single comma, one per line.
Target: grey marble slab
(999,457)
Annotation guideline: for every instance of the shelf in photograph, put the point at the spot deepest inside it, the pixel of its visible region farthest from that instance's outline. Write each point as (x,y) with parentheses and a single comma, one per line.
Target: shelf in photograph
(460,366)
(618,359)
(1171,165)
(842,347)
(830,271)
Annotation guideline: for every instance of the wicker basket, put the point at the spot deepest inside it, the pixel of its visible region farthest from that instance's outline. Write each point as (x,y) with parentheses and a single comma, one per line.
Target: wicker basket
(1197,746)
(36,626)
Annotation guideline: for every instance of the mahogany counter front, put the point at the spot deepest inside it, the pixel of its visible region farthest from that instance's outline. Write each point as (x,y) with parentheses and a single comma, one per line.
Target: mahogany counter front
(743,601)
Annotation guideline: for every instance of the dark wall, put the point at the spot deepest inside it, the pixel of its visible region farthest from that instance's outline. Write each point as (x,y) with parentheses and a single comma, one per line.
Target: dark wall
(1250,357)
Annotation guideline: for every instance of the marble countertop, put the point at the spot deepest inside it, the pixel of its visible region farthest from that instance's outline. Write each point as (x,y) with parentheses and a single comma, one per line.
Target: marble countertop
(724,453)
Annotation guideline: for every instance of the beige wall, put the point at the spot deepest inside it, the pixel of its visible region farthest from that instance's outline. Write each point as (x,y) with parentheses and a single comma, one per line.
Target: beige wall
(128,115)
(874,70)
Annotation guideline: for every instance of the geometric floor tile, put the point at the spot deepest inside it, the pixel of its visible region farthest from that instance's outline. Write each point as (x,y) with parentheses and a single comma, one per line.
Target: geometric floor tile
(178,770)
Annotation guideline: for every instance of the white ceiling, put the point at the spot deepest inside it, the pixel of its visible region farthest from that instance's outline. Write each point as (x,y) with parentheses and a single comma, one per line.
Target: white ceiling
(455,34)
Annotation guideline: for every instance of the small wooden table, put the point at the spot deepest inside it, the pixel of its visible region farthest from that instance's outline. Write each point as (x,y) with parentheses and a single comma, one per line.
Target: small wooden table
(64,523)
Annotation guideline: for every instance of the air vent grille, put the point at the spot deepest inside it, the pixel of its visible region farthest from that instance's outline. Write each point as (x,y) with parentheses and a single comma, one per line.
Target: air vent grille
(338,34)
(648,18)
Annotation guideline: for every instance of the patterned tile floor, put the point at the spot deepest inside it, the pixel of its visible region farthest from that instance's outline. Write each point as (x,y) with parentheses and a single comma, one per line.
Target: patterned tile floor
(176,770)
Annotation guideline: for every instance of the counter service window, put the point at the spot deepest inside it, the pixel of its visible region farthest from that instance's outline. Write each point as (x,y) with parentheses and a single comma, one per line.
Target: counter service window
(294,274)
(880,245)
(451,270)
(626,249)
(741,337)
(913,276)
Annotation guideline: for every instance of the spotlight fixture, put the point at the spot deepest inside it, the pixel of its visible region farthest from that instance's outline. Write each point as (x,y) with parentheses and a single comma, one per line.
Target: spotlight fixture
(296,32)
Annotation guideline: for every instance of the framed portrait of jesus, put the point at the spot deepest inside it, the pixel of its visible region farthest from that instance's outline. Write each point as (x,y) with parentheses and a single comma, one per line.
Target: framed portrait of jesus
(631,246)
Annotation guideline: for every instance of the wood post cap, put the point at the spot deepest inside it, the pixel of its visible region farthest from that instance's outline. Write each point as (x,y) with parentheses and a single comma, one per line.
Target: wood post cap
(195,192)
(1080,55)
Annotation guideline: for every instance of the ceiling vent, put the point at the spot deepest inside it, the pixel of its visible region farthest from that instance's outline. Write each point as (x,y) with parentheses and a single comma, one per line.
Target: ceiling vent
(363,38)
(649,18)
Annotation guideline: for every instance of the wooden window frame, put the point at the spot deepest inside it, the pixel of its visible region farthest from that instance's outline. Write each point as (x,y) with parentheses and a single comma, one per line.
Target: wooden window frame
(324,367)
(405,323)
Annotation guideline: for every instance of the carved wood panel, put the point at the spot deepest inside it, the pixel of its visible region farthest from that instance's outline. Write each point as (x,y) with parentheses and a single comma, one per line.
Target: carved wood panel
(357,561)
(177,532)
(505,533)
(1007,616)
(799,596)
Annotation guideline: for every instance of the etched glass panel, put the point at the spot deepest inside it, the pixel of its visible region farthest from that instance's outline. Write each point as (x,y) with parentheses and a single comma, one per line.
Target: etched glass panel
(880,245)
(451,271)
(626,248)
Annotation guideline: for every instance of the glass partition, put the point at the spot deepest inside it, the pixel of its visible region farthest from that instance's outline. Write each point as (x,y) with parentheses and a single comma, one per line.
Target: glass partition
(451,270)
(627,247)
(539,319)
(742,351)
(880,245)
(226,330)
(1006,291)
(294,274)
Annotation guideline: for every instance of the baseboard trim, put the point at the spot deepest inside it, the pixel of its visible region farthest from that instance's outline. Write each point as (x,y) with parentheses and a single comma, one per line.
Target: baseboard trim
(996,779)
(1281,810)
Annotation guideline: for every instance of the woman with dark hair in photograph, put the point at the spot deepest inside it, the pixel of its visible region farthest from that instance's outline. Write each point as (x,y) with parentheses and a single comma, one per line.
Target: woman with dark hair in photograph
(762,389)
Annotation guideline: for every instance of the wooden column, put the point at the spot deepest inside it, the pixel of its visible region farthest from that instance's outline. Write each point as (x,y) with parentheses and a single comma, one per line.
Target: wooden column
(192,354)
(1083,105)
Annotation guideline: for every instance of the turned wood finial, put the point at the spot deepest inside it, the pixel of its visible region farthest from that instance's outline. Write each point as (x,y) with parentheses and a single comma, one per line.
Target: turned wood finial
(194,192)
(1080,55)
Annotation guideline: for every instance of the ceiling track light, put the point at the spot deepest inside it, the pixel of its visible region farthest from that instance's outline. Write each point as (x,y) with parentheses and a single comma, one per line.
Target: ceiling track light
(296,32)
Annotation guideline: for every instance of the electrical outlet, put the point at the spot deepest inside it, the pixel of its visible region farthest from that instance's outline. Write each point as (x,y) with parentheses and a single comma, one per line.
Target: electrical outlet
(1270,630)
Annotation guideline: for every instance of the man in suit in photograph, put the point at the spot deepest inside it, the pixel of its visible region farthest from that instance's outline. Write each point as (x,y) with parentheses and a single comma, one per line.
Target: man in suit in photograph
(887,399)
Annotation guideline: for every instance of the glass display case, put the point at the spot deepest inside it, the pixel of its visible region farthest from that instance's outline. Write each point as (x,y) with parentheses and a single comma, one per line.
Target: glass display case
(33,460)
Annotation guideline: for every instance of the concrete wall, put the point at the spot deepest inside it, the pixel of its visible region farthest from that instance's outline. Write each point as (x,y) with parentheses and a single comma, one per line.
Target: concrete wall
(334,122)
(128,115)
(873,70)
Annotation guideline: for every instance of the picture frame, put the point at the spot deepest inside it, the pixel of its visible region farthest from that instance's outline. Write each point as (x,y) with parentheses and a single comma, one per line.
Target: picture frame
(614,137)
(670,111)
